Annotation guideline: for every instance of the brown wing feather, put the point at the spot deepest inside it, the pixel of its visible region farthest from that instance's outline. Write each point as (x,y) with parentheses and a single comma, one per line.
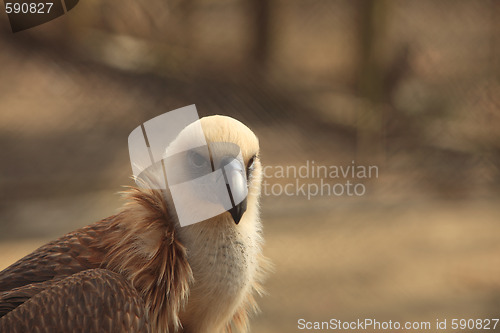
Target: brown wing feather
(95,300)
(62,257)
(56,260)
(9,300)
(139,244)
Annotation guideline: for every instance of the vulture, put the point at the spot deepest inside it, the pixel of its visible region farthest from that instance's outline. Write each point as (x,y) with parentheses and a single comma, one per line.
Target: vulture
(141,270)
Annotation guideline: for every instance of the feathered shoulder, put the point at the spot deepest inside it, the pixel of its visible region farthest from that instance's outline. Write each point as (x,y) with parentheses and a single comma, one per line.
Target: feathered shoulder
(139,243)
(143,246)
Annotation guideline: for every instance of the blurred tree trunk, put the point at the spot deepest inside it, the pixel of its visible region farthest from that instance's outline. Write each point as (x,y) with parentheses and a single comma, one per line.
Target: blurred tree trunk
(260,35)
(371,83)
(495,38)
(491,153)
(187,24)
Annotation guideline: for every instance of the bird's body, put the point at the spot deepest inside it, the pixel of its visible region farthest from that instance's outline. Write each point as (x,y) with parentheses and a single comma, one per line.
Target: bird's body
(140,270)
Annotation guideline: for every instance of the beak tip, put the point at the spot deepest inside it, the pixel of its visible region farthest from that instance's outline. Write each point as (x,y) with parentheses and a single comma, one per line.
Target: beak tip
(236,218)
(238,211)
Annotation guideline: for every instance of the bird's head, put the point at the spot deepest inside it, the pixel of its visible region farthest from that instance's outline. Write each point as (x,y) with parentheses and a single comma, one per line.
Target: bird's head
(219,179)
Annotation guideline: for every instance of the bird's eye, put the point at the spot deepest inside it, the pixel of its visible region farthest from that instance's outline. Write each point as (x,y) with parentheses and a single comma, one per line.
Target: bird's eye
(250,166)
(197,160)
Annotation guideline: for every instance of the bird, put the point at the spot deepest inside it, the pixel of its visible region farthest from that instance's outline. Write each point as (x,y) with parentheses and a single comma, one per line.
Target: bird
(140,270)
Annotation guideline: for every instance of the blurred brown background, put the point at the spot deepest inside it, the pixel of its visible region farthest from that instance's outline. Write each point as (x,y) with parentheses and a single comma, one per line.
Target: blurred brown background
(410,86)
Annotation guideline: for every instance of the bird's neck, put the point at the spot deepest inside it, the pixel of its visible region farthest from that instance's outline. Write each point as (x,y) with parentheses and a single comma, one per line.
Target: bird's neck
(141,243)
(223,257)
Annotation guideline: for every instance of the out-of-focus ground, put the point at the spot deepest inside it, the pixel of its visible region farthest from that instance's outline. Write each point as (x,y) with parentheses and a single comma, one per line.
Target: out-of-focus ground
(421,102)
(413,261)
(416,260)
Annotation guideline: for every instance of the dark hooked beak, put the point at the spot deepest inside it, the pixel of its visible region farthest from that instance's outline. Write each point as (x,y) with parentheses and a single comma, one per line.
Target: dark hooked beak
(238,210)
(236,182)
